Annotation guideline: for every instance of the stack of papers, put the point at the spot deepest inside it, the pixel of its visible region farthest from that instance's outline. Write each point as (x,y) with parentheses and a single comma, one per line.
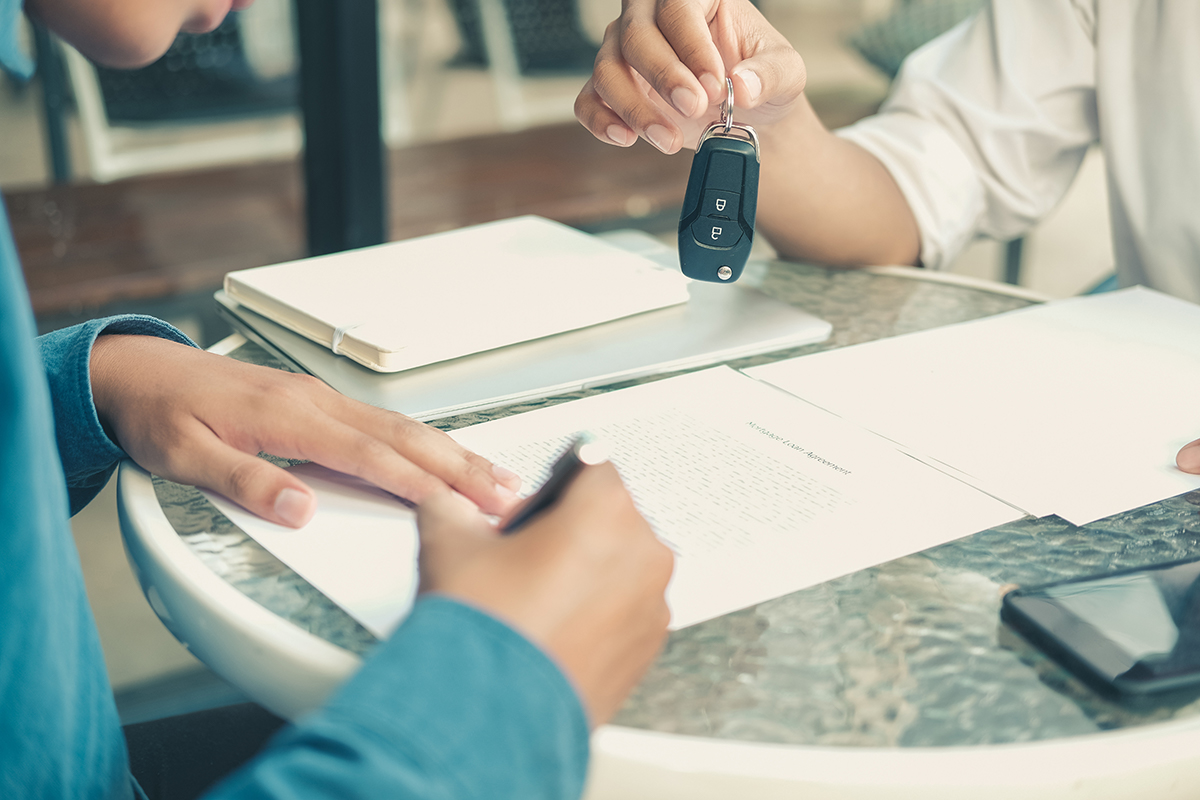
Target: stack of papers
(1075,408)
(851,458)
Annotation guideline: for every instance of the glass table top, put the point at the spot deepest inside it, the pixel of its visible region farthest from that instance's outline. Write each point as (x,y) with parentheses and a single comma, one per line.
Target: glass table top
(907,653)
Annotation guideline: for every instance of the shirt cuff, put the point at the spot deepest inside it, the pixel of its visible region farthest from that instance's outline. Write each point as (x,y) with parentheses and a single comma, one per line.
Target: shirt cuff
(455,705)
(88,455)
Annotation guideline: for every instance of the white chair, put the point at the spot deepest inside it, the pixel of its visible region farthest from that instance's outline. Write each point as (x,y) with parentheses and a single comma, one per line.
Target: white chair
(521,99)
(120,149)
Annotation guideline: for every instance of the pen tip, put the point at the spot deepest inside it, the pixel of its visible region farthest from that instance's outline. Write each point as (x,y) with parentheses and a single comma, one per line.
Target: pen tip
(592,451)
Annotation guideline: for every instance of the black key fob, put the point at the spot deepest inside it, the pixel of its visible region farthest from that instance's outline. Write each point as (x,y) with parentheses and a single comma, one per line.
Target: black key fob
(716,228)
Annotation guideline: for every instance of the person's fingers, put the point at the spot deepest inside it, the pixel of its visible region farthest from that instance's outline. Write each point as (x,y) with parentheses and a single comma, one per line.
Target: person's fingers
(491,487)
(253,483)
(660,72)
(598,493)
(628,95)
(602,121)
(311,435)
(672,48)
(146,392)
(452,531)
(448,516)
(1188,458)
(775,77)
(505,476)
(394,452)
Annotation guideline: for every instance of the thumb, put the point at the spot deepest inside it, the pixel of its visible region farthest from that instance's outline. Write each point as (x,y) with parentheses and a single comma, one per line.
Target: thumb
(253,483)
(453,530)
(776,77)
(1188,458)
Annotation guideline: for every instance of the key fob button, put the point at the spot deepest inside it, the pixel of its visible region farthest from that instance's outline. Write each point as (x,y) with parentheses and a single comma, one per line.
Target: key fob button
(720,204)
(716,232)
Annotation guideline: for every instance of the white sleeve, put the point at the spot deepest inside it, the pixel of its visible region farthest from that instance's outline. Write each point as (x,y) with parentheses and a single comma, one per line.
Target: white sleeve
(987,125)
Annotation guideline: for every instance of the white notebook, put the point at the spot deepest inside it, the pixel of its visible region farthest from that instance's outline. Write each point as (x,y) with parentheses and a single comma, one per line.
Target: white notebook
(435,298)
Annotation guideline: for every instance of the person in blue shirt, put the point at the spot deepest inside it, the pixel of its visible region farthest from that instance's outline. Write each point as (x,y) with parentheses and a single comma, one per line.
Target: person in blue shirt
(517,646)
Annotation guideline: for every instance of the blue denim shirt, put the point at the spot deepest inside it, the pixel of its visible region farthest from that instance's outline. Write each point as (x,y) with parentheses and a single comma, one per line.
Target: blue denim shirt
(454,705)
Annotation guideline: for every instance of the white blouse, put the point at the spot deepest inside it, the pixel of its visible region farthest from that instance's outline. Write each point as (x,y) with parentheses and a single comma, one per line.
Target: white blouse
(987,125)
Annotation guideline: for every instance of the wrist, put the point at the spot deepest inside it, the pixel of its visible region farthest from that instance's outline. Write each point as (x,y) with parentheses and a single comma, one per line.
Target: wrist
(112,368)
(797,131)
(100,366)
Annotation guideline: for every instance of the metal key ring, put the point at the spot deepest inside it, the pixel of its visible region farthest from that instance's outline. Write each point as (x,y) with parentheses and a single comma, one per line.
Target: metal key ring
(727,106)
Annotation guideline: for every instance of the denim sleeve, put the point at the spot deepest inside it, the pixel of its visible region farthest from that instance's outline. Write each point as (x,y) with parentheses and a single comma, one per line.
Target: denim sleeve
(88,455)
(455,706)
(13,59)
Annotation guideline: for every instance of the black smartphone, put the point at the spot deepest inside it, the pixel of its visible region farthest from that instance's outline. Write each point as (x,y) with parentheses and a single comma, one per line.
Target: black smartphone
(1131,632)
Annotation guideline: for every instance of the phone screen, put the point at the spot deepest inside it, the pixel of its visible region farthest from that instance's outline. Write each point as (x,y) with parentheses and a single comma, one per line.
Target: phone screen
(1135,630)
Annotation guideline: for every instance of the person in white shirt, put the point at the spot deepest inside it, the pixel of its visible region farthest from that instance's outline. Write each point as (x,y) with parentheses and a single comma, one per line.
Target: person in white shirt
(984,130)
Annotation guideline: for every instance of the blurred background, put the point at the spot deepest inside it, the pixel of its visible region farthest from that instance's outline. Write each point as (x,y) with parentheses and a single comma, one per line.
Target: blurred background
(136,191)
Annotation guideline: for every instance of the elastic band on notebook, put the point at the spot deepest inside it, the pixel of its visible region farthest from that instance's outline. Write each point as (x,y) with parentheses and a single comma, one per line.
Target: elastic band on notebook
(338,335)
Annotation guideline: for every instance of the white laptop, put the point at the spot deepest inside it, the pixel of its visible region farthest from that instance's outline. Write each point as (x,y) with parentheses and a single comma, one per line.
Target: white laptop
(718,323)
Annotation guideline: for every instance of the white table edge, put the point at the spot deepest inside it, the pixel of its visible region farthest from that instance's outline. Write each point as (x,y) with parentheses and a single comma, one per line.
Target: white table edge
(1160,761)
(954,279)
(278,664)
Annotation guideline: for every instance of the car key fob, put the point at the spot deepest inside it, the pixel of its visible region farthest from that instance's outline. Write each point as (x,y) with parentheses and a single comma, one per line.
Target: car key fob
(716,228)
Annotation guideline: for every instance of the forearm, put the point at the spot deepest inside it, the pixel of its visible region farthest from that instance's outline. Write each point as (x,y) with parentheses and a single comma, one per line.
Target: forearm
(822,198)
(455,705)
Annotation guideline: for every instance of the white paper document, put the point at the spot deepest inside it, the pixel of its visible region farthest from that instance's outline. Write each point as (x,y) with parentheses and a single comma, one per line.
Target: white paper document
(759,494)
(1075,407)
(359,549)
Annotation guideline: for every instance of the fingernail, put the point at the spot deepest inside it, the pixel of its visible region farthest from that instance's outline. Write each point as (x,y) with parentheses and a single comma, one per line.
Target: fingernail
(1188,459)
(660,137)
(294,507)
(684,100)
(505,493)
(752,82)
(505,475)
(618,134)
(712,84)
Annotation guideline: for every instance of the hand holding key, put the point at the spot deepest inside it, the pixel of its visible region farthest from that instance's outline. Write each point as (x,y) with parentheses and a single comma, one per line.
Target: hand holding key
(661,71)
(660,74)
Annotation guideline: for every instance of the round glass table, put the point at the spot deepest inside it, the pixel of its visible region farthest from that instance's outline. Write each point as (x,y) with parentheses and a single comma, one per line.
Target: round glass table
(896,681)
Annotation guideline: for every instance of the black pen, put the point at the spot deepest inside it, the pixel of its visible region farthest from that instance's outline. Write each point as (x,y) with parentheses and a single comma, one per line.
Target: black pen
(585,451)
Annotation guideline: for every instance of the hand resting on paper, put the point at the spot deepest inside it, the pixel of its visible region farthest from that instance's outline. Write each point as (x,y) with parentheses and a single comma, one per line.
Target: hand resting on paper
(584,580)
(201,419)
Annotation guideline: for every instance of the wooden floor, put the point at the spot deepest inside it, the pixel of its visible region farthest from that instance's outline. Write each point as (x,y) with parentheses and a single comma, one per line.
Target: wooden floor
(89,248)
